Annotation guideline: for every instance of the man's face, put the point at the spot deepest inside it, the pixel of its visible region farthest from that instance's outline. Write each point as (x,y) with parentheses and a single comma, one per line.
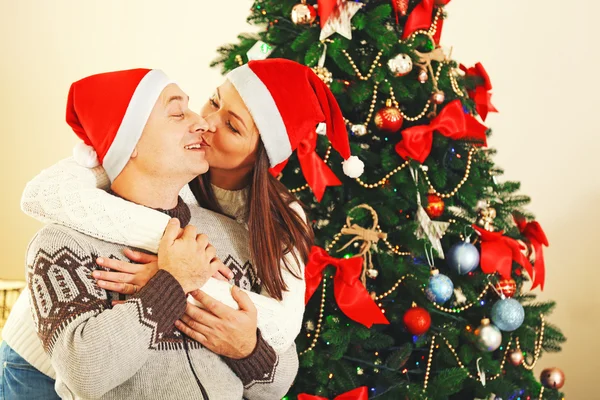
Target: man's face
(170,145)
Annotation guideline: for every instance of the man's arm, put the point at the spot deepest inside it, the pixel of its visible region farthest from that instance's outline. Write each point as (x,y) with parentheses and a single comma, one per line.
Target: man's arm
(93,348)
(265,374)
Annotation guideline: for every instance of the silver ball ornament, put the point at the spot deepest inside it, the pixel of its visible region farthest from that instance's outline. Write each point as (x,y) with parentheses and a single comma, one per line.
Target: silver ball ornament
(463,258)
(489,338)
(508,314)
(400,65)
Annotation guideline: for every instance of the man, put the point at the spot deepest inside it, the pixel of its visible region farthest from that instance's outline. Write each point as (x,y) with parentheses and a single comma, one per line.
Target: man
(146,138)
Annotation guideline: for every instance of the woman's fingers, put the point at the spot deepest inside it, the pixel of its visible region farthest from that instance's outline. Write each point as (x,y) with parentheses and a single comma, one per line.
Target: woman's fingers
(118,265)
(140,257)
(123,288)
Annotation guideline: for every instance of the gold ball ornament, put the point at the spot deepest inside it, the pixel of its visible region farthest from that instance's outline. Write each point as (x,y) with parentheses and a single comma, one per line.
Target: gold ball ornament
(552,378)
(423,76)
(359,129)
(303,14)
(323,74)
(516,358)
(372,273)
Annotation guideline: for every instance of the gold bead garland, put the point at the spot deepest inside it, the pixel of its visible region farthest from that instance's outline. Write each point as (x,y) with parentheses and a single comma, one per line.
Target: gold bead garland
(537,349)
(460,184)
(357,71)
(319,322)
(383,180)
(429,359)
(465,307)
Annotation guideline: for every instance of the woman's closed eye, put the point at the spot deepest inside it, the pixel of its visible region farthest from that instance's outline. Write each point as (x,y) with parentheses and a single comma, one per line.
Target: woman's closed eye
(214,104)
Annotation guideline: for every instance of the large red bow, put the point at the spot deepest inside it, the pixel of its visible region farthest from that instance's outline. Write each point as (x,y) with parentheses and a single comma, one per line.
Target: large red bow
(318,175)
(421,18)
(351,295)
(535,234)
(451,122)
(481,95)
(356,394)
(498,253)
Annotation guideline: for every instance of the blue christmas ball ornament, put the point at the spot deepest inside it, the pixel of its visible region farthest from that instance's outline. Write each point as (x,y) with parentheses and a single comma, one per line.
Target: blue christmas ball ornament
(508,314)
(463,257)
(440,288)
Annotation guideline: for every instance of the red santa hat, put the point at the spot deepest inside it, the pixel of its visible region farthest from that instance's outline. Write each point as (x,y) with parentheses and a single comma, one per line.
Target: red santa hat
(108,112)
(287,101)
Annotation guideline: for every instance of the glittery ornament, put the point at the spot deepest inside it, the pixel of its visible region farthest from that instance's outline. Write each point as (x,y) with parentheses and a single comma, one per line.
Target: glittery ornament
(438,97)
(435,205)
(516,357)
(417,320)
(508,314)
(359,130)
(552,378)
(389,118)
(303,14)
(489,338)
(486,218)
(340,19)
(506,287)
(440,288)
(463,257)
(423,76)
(323,74)
(309,325)
(400,65)
(372,273)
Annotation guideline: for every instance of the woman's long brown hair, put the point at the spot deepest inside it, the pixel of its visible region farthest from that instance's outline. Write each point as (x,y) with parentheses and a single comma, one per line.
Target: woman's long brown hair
(275,229)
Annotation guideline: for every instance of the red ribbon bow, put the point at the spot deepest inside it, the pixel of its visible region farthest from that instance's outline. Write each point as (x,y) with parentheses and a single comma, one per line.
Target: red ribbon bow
(498,253)
(356,394)
(421,18)
(481,95)
(535,234)
(451,122)
(351,295)
(318,175)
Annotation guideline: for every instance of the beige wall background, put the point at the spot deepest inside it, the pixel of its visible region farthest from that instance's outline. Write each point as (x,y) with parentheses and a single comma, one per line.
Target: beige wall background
(540,54)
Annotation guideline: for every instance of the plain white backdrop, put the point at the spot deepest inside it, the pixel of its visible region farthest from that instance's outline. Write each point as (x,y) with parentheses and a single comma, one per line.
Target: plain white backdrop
(541,55)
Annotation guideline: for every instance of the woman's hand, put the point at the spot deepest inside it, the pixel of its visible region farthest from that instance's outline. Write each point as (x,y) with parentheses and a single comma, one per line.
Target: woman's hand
(129,278)
(221,329)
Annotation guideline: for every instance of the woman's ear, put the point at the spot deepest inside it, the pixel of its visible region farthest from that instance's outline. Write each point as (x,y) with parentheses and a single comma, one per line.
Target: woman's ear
(134,154)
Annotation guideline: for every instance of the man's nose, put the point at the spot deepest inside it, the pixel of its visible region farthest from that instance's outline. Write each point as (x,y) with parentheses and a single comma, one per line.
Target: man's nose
(203,125)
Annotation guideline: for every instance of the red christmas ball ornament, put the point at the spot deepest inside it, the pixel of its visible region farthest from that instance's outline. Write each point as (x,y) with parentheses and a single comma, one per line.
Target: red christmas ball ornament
(389,118)
(417,320)
(506,287)
(435,205)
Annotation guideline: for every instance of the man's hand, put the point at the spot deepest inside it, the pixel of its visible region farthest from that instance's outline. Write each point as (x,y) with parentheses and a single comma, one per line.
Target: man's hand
(220,328)
(189,257)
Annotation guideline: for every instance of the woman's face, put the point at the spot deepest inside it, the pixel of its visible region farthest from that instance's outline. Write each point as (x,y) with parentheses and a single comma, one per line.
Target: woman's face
(232,137)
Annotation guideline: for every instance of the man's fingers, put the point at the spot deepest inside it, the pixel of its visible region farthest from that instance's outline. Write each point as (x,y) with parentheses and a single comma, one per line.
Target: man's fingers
(115,302)
(189,233)
(211,304)
(197,336)
(170,235)
(118,265)
(202,241)
(211,252)
(140,257)
(243,300)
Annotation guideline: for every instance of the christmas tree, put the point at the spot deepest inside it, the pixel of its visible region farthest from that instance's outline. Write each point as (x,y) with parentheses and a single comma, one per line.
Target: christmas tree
(420,286)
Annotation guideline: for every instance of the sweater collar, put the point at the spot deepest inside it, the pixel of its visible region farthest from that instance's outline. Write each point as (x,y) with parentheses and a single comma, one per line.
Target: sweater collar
(233,202)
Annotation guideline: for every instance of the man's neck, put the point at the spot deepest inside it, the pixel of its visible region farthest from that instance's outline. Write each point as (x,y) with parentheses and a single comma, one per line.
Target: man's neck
(148,191)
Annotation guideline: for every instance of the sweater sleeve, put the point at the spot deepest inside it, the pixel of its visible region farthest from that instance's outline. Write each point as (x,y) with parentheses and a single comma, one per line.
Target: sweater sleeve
(69,194)
(84,337)
(265,374)
(74,196)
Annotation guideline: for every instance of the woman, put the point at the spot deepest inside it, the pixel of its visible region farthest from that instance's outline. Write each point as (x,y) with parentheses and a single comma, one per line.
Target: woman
(255,124)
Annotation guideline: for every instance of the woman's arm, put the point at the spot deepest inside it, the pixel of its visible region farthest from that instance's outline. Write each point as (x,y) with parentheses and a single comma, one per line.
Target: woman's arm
(72,195)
